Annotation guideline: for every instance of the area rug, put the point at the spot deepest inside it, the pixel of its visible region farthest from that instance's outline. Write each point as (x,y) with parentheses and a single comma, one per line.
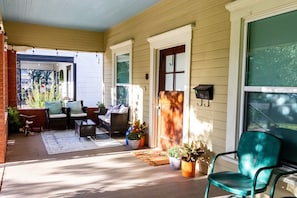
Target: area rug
(66,141)
(152,157)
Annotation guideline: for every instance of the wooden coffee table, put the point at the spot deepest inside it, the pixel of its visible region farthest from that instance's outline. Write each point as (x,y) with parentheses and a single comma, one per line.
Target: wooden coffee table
(85,128)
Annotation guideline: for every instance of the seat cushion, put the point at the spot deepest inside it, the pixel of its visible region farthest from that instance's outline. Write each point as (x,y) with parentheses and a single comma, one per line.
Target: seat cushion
(104,118)
(54,107)
(123,109)
(75,107)
(60,115)
(78,115)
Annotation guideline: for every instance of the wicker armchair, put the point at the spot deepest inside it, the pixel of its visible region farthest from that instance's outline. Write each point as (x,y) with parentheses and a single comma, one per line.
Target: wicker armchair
(76,112)
(56,115)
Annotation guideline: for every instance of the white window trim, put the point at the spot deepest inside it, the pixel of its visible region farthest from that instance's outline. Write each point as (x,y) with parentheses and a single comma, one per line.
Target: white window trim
(173,38)
(242,12)
(119,49)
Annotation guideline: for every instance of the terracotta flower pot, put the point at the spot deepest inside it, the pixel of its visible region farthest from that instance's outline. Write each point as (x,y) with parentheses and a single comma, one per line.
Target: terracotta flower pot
(203,167)
(142,142)
(188,168)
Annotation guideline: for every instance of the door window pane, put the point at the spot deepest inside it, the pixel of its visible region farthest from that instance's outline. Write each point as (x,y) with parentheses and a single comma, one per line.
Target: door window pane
(180,62)
(169,63)
(179,80)
(168,82)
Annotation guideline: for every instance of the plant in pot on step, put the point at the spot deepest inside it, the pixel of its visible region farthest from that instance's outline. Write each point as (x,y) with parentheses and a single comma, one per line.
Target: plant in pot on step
(136,134)
(190,154)
(206,158)
(174,156)
(101,107)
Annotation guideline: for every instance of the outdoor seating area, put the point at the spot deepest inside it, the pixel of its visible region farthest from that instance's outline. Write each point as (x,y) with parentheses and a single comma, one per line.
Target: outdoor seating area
(59,117)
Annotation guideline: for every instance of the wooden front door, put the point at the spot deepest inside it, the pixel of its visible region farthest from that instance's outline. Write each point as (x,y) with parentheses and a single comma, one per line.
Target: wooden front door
(171,97)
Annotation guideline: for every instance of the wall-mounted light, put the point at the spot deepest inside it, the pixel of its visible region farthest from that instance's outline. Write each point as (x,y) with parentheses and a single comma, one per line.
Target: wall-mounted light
(204,92)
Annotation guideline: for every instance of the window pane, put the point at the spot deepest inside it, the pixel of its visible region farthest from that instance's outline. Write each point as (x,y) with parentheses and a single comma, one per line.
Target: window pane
(179,80)
(180,62)
(168,82)
(272,53)
(268,110)
(169,63)
(123,68)
(122,94)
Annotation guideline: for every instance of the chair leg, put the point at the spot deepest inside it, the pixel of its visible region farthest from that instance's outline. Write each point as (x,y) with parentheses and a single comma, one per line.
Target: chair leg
(207,190)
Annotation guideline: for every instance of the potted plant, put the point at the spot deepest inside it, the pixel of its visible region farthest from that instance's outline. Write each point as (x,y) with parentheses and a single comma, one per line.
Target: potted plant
(14,122)
(174,156)
(101,108)
(206,158)
(190,154)
(136,137)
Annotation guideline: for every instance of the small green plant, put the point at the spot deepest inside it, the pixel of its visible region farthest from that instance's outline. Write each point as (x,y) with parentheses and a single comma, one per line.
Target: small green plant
(134,136)
(100,104)
(14,122)
(191,152)
(174,151)
(40,94)
(208,155)
(138,130)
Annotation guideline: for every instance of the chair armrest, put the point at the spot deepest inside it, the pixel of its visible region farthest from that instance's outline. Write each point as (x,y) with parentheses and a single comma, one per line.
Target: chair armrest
(65,110)
(256,176)
(84,109)
(216,157)
(277,177)
(46,112)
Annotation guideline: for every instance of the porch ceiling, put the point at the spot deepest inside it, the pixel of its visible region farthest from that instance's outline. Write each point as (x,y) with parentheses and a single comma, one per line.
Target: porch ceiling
(93,15)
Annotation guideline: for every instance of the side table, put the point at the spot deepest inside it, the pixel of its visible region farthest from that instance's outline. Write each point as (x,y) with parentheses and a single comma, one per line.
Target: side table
(85,128)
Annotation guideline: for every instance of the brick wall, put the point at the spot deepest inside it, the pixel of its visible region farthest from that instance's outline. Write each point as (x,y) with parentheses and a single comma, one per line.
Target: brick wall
(3,100)
(12,94)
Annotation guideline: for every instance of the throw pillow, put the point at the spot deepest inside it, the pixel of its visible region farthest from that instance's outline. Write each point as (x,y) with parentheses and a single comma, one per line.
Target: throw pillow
(54,107)
(123,109)
(75,106)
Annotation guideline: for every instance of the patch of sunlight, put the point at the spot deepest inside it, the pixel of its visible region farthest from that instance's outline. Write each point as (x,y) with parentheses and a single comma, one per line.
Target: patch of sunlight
(137,101)
(200,130)
(10,142)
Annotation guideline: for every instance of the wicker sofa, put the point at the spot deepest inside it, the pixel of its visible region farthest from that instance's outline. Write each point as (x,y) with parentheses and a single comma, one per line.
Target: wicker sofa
(116,119)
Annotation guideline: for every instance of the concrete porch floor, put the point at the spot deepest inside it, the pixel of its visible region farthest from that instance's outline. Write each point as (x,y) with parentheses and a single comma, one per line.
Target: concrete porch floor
(109,173)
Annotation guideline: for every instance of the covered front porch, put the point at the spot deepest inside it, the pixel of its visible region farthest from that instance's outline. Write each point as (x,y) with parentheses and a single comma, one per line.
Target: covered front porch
(106,172)
(244,49)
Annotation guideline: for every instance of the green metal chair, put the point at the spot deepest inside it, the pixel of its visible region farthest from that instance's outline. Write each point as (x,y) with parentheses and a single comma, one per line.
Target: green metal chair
(257,154)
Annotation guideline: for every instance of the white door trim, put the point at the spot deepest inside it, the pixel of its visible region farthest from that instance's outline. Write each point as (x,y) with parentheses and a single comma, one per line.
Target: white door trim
(172,38)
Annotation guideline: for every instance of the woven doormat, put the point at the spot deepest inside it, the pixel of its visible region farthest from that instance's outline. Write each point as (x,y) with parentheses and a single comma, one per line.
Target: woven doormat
(152,157)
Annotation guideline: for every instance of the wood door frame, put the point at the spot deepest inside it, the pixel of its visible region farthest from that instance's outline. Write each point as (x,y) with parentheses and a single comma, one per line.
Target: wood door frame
(176,37)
